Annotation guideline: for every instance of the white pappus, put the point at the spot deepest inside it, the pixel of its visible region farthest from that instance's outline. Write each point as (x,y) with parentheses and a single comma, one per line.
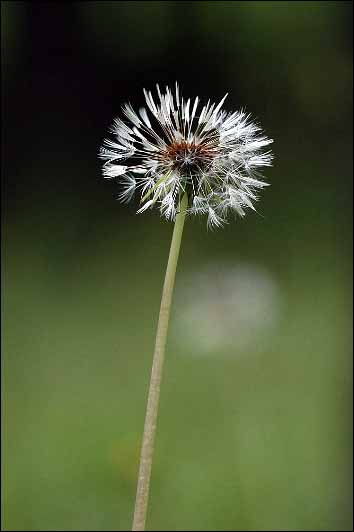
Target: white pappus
(213,156)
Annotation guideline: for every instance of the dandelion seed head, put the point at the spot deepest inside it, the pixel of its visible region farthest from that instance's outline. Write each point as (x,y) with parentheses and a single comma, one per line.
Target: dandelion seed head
(177,147)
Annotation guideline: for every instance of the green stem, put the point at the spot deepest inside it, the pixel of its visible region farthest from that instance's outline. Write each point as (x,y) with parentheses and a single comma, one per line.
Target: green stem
(147,449)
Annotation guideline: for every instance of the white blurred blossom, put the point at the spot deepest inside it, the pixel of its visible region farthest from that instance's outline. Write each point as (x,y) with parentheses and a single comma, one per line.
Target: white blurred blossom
(225,309)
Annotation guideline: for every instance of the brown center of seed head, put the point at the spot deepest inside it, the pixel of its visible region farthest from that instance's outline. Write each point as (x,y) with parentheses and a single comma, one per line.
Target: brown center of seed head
(189,155)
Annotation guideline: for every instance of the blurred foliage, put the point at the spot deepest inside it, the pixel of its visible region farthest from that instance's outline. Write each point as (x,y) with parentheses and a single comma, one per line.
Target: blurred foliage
(253,440)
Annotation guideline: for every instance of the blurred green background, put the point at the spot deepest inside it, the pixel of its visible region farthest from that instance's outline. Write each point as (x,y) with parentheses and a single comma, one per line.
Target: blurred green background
(255,429)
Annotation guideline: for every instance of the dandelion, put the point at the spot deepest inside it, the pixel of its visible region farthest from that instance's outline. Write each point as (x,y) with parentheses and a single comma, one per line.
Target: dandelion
(186,160)
(211,156)
(226,310)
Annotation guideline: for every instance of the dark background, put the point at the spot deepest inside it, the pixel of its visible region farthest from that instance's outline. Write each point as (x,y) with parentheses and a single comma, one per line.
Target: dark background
(255,430)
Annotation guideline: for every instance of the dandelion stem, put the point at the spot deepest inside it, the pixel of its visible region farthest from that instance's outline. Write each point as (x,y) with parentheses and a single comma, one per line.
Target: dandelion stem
(147,449)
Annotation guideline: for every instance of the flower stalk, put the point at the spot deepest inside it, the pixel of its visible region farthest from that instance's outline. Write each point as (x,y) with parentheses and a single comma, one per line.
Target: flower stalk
(147,449)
